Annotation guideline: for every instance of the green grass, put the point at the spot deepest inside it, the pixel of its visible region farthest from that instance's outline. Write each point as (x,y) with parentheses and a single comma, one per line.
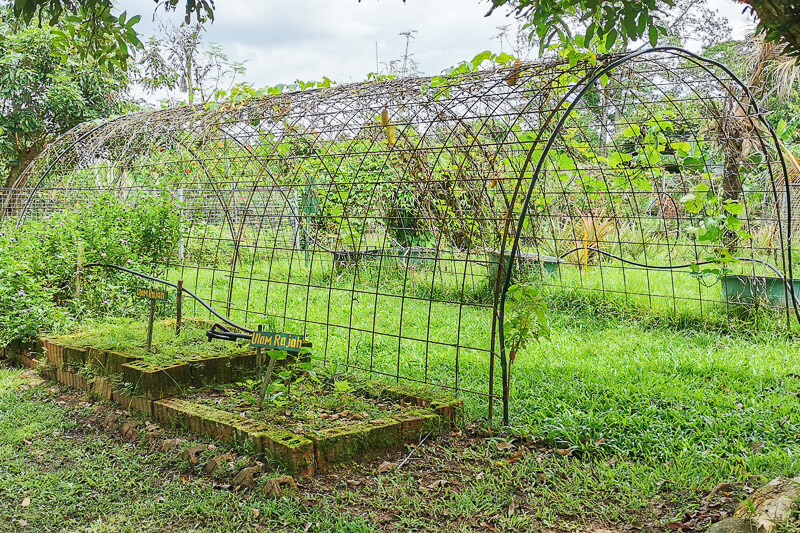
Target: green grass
(654,402)
(79,478)
(55,450)
(718,393)
(129,336)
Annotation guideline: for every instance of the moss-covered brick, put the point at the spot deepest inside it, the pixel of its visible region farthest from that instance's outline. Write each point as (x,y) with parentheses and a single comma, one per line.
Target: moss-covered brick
(115,360)
(242,366)
(418,422)
(48,371)
(74,357)
(101,388)
(156,382)
(71,379)
(134,403)
(294,452)
(199,418)
(82,383)
(96,359)
(210,370)
(452,410)
(54,353)
(167,410)
(27,361)
(396,394)
(346,443)
(219,424)
(249,432)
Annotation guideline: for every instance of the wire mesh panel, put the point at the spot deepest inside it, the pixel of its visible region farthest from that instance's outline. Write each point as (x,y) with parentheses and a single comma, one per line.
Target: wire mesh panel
(658,191)
(380,219)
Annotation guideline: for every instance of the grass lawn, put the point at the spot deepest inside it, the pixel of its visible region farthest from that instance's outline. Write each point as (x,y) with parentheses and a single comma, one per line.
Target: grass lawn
(62,469)
(627,416)
(130,337)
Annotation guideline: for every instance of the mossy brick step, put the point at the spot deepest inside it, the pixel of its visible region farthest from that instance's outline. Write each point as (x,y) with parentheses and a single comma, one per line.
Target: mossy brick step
(211,370)
(131,402)
(26,360)
(155,382)
(106,361)
(397,394)
(355,441)
(102,388)
(206,419)
(112,361)
(450,409)
(65,356)
(54,353)
(294,452)
(71,379)
(242,366)
(201,371)
(16,348)
(416,423)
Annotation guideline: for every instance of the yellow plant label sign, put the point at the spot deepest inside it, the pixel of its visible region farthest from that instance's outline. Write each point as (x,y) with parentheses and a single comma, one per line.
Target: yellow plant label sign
(277,341)
(151,294)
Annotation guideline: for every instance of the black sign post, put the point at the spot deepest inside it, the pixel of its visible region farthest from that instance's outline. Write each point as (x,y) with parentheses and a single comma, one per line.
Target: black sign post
(154,296)
(286,342)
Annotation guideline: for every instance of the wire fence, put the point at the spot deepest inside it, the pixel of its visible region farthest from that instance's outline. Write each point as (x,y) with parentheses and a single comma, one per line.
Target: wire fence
(386,220)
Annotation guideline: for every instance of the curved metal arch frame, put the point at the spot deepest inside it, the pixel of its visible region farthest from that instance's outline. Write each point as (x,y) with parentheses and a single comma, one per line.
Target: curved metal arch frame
(575,96)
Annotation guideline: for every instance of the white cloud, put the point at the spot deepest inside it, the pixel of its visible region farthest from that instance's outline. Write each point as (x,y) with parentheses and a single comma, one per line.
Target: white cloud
(284,40)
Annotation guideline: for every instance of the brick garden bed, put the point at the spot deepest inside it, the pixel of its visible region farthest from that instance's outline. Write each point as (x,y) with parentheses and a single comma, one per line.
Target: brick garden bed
(381,418)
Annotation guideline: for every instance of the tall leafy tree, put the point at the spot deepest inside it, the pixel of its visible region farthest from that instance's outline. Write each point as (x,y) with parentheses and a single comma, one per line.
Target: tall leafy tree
(625,20)
(779,20)
(47,86)
(178,59)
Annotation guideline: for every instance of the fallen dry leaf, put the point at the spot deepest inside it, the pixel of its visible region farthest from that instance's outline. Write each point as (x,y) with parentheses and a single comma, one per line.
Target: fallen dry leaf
(436,484)
(26,501)
(386,466)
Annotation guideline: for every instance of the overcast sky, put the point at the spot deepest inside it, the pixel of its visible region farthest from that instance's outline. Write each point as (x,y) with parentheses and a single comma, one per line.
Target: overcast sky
(283,40)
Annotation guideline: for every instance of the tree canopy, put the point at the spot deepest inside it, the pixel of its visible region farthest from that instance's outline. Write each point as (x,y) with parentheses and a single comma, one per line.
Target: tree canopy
(46,88)
(779,20)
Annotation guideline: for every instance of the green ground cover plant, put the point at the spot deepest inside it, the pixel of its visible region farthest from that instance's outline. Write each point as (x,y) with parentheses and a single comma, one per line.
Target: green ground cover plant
(308,405)
(57,452)
(614,381)
(128,336)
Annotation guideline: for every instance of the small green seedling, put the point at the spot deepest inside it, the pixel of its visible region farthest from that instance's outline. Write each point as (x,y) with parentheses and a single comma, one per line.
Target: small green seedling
(525,318)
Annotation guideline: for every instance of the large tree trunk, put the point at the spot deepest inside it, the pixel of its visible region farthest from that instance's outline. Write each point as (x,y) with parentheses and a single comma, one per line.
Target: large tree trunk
(25,157)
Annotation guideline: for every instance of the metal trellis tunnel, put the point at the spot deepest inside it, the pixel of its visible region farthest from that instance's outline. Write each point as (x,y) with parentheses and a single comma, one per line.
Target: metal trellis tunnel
(387,220)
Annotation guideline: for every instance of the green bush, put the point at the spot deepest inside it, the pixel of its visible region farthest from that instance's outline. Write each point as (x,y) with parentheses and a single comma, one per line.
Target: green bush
(40,259)
(25,305)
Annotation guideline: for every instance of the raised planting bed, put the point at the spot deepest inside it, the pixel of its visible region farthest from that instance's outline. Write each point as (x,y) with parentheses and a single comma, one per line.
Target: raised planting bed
(129,337)
(334,422)
(116,352)
(309,425)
